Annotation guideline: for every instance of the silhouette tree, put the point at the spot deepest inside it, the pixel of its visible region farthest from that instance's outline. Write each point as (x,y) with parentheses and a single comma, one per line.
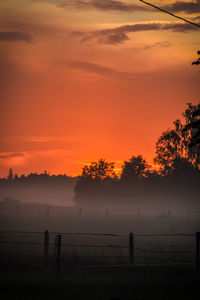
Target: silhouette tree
(176,143)
(181,167)
(197,62)
(134,169)
(191,133)
(192,127)
(10,175)
(168,148)
(92,186)
(99,170)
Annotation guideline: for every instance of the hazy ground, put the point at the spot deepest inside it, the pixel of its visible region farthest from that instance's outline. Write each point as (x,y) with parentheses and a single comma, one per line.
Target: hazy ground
(40,193)
(40,217)
(57,219)
(163,274)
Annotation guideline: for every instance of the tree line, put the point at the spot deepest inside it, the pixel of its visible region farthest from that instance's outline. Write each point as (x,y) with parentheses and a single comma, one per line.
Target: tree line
(35,178)
(176,177)
(175,174)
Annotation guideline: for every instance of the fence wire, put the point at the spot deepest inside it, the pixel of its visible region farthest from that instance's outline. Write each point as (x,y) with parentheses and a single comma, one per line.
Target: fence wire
(110,246)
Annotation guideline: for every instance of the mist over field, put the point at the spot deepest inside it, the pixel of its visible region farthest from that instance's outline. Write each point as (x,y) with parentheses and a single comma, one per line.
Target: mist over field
(40,192)
(37,207)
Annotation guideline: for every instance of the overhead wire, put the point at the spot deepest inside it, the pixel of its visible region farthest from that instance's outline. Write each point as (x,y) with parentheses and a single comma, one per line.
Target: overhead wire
(170,13)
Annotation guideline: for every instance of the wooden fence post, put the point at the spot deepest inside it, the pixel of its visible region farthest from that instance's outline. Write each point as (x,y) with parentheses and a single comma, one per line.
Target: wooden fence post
(197,249)
(46,247)
(138,214)
(48,211)
(131,248)
(17,208)
(56,244)
(58,252)
(107,213)
(80,211)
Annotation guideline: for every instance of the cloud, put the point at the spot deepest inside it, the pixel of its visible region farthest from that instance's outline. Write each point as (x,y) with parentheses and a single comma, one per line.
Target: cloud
(98,69)
(12,36)
(17,146)
(182,6)
(121,6)
(11,155)
(119,35)
(163,44)
(90,67)
(197,18)
(103,5)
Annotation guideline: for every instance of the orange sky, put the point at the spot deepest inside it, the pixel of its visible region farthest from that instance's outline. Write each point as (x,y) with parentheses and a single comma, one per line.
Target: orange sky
(83,80)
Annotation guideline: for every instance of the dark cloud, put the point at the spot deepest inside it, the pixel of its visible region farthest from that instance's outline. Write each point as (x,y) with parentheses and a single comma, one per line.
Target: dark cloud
(103,5)
(93,68)
(11,155)
(12,36)
(157,44)
(121,6)
(182,6)
(90,67)
(196,19)
(119,35)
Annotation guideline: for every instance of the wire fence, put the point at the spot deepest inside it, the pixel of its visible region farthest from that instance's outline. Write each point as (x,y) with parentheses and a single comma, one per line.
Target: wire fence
(77,248)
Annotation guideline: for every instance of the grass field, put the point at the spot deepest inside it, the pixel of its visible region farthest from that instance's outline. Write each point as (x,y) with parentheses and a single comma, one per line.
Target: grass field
(23,275)
(100,283)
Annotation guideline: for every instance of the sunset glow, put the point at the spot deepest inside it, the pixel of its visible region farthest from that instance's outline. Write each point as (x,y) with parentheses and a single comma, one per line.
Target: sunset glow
(83,80)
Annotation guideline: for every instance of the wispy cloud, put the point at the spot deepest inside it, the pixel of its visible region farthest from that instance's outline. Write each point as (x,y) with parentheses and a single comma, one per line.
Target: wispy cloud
(163,44)
(12,36)
(14,147)
(11,155)
(119,35)
(196,19)
(89,67)
(182,6)
(103,5)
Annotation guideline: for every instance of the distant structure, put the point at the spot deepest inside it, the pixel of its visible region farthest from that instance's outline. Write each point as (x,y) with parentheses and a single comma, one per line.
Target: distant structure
(10,175)
(48,211)
(17,208)
(138,214)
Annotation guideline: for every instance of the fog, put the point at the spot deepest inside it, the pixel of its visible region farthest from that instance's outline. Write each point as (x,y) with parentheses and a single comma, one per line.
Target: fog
(34,216)
(99,234)
(155,204)
(57,195)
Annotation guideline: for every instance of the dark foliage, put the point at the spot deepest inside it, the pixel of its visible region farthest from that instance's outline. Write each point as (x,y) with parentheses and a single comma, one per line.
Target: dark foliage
(178,158)
(34,178)
(197,62)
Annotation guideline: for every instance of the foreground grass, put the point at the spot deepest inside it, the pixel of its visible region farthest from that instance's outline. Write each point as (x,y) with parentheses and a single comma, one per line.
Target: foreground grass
(124,283)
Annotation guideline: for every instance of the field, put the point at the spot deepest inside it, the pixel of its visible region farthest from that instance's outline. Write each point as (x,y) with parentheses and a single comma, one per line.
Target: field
(95,255)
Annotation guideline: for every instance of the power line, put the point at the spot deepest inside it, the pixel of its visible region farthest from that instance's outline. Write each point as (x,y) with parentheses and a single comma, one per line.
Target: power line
(168,12)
